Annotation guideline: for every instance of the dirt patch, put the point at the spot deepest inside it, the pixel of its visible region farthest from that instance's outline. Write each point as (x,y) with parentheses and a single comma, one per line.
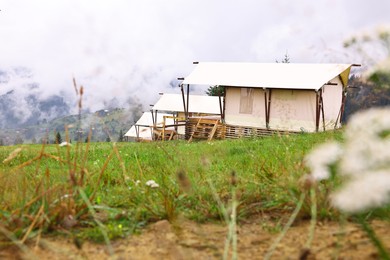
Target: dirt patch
(188,240)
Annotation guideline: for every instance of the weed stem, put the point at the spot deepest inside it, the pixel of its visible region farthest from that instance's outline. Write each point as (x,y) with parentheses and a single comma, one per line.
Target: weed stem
(293,216)
(374,238)
(313,220)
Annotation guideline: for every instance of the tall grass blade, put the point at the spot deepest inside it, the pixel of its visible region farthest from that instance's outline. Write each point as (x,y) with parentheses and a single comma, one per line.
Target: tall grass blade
(293,216)
(102,228)
(374,238)
(313,220)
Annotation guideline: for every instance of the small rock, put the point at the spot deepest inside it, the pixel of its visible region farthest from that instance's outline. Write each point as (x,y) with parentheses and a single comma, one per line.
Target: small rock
(162,226)
(68,222)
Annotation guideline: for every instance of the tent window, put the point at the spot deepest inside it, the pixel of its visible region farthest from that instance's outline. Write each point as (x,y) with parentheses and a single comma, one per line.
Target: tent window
(246,100)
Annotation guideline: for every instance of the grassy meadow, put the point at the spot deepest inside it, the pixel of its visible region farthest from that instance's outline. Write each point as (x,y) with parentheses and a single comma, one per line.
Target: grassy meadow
(101,192)
(98,191)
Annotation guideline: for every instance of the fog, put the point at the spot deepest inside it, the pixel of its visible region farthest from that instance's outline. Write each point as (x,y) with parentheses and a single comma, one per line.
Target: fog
(129,51)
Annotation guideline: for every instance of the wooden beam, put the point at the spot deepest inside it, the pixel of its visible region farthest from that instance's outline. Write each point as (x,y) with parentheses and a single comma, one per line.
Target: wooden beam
(220,106)
(269,107)
(322,110)
(224,105)
(343,105)
(188,100)
(184,100)
(137,131)
(266,106)
(153,119)
(317,111)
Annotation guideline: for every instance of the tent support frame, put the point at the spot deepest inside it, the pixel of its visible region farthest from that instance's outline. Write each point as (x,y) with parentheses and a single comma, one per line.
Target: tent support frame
(319,110)
(267,104)
(184,101)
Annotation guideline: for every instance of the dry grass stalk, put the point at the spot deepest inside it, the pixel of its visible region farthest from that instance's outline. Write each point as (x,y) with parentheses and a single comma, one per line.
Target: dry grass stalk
(30,228)
(121,163)
(12,155)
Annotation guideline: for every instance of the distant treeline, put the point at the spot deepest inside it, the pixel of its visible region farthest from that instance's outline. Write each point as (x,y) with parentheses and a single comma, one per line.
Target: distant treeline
(363,94)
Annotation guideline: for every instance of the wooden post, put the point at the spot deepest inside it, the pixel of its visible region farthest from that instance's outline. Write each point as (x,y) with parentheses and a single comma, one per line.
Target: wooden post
(220,106)
(269,104)
(266,107)
(188,100)
(184,100)
(224,105)
(317,111)
(343,105)
(153,119)
(322,110)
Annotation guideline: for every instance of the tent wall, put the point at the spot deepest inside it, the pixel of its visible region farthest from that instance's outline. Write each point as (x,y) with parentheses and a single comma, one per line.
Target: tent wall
(293,110)
(332,99)
(290,110)
(255,118)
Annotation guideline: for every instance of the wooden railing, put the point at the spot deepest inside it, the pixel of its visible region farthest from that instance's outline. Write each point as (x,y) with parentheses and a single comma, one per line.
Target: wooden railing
(164,131)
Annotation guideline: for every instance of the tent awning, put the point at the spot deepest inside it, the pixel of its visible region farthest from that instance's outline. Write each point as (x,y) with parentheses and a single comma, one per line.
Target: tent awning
(267,75)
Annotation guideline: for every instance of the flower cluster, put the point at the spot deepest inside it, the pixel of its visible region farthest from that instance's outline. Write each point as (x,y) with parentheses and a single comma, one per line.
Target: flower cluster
(152,184)
(363,159)
(321,158)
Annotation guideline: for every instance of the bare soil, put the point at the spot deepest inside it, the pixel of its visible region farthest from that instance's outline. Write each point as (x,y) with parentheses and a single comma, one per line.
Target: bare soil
(189,240)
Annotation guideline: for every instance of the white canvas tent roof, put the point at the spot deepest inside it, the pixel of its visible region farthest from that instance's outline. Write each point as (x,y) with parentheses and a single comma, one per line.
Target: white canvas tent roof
(267,75)
(197,104)
(145,124)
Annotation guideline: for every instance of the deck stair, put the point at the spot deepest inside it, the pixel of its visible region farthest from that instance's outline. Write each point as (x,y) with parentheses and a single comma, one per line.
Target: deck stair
(204,129)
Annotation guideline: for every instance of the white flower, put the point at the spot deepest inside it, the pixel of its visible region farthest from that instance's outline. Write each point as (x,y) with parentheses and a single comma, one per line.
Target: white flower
(321,158)
(152,184)
(137,182)
(364,159)
(366,142)
(370,190)
(371,122)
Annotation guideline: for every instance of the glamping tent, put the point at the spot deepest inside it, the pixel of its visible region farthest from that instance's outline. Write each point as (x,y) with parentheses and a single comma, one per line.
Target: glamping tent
(277,96)
(200,106)
(168,111)
(143,128)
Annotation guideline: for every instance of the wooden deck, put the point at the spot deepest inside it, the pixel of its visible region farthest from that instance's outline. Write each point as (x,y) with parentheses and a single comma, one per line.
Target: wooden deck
(211,128)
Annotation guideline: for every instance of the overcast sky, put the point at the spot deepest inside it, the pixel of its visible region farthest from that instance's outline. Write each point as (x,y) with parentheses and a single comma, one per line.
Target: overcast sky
(135,49)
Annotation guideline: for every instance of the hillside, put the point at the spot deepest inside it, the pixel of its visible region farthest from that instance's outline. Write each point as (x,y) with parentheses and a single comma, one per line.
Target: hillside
(104,124)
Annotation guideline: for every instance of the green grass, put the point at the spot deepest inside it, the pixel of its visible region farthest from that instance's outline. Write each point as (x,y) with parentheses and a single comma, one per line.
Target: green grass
(43,185)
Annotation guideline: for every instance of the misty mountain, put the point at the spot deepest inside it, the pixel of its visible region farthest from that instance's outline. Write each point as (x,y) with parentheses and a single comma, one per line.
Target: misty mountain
(22,104)
(103,125)
(13,116)
(30,115)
